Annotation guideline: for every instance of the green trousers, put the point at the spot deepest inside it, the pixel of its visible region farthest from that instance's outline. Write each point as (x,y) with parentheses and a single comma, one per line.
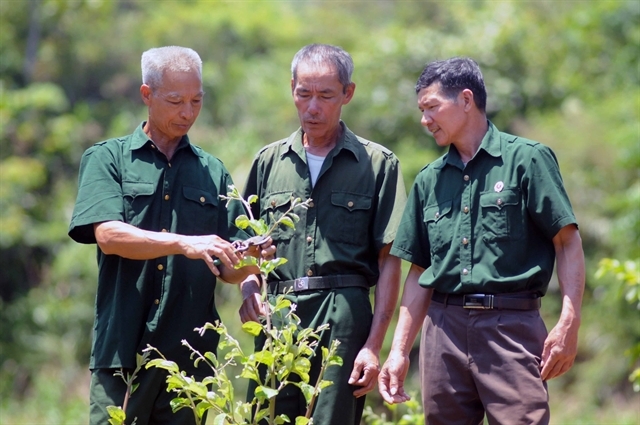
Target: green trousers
(348,313)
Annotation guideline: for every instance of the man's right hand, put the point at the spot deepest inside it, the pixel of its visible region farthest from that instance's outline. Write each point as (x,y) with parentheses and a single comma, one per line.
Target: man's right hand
(252,306)
(207,247)
(391,378)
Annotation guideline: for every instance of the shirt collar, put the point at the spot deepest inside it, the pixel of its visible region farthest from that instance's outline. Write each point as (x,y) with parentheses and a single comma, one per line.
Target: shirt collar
(347,141)
(140,139)
(491,144)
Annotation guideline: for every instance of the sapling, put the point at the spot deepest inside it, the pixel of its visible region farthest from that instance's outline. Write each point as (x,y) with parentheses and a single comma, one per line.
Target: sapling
(286,351)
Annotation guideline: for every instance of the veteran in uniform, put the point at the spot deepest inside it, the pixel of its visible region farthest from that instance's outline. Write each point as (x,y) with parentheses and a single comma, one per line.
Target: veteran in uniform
(482,228)
(340,247)
(150,202)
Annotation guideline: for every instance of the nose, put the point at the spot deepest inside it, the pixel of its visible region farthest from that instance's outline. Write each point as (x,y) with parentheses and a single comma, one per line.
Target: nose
(187,111)
(314,106)
(426,119)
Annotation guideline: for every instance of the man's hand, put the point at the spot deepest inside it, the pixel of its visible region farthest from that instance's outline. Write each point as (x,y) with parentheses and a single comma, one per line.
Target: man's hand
(266,249)
(559,353)
(252,307)
(365,371)
(391,378)
(208,246)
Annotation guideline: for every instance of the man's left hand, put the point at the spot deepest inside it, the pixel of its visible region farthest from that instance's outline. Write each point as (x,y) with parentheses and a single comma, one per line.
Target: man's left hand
(560,349)
(365,372)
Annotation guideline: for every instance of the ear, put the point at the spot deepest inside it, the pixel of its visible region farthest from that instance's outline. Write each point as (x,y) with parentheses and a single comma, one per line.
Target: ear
(467,97)
(351,88)
(293,85)
(145,93)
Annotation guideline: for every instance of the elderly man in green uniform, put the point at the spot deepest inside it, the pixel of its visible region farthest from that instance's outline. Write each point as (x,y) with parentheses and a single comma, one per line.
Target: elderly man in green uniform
(340,247)
(482,228)
(150,202)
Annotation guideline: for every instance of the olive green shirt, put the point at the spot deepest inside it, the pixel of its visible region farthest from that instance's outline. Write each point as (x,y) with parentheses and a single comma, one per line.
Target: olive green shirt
(160,301)
(486,227)
(357,204)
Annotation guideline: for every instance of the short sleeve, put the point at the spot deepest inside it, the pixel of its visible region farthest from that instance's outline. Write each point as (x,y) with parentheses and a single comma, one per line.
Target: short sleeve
(412,240)
(392,198)
(547,200)
(99,193)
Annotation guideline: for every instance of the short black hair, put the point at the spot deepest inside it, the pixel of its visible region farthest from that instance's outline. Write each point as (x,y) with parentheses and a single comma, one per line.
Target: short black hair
(454,75)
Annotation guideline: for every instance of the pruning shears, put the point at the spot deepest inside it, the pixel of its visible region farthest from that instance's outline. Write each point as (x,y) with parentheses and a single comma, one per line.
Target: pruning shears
(244,245)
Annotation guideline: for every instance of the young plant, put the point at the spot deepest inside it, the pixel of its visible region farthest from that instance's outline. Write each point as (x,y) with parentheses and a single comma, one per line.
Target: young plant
(284,359)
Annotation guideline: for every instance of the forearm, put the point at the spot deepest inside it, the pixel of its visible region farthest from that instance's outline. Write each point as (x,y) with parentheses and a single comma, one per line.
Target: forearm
(127,241)
(571,275)
(413,309)
(386,299)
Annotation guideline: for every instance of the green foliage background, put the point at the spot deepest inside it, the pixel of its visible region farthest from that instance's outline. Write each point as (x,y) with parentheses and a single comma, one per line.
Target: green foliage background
(565,73)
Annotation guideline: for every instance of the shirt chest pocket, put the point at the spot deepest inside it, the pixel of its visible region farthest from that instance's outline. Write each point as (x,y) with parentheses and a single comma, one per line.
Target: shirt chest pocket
(501,215)
(198,213)
(137,200)
(438,219)
(351,218)
(274,207)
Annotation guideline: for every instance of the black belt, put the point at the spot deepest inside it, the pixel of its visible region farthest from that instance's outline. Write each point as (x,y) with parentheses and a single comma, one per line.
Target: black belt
(521,301)
(318,282)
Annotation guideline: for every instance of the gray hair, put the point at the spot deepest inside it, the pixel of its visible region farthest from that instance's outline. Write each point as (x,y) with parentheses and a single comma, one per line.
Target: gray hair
(170,58)
(325,54)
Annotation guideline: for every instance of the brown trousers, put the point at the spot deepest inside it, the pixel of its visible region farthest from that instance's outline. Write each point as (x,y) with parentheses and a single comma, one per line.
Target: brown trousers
(477,362)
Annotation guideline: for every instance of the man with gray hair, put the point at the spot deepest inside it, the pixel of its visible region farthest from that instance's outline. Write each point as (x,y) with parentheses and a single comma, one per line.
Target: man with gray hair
(340,247)
(150,202)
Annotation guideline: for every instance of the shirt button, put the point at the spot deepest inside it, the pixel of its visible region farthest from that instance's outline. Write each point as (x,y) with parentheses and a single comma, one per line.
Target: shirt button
(465,241)
(169,165)
(466,210)
(164,230)
(466,177)
(465,272)
(499,201)
(160,267)
(437,214)
(350,204)
(309,272)
(156,302)
(153,146)
(311,204)
(309,239)
(273,203)
(202,199)
(166,197)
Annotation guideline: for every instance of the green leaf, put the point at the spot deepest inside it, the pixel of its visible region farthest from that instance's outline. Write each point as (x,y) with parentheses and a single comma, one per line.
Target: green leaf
(252,199)
(163,364)
(242,221)
(220,419)
(252,328)
(301,420)
(265,393)
(286,221)
(116,415)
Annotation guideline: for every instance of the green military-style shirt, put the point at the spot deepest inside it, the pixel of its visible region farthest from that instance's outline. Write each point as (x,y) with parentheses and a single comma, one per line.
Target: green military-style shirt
(357,203)
(160,301)
(486,227)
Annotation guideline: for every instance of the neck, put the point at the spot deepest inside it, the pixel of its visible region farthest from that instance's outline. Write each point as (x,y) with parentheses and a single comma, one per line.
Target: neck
(471,140)
(321,146)
(163,144)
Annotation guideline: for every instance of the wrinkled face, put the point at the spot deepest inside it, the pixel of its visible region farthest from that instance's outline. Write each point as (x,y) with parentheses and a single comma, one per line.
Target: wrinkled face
(443,116)
(175,105)
(319,96)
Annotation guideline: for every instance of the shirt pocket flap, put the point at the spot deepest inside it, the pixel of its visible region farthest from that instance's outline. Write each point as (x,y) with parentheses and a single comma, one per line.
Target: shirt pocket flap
(134,189)
(500,199)
(277,200)
(200,196)
(436,212)
(351,201)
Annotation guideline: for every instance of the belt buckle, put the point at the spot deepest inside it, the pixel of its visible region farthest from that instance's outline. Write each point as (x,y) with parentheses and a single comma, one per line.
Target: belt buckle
(477,301)
(301,284)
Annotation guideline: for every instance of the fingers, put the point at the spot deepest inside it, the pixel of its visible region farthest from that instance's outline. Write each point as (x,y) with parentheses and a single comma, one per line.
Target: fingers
(367,381)
(391,390)
(252,309)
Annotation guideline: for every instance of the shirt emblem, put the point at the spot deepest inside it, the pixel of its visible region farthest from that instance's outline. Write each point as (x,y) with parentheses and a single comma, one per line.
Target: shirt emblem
(498,186)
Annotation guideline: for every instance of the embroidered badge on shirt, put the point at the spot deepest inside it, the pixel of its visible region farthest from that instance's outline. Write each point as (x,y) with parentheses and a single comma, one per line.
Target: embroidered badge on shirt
(498,186)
